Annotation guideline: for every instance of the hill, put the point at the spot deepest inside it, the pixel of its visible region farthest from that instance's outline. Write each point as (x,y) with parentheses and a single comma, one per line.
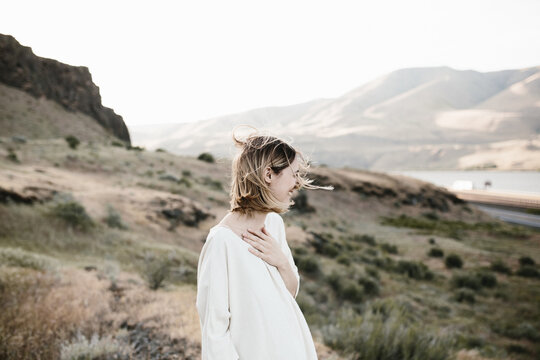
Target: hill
(103,241)
(410,119)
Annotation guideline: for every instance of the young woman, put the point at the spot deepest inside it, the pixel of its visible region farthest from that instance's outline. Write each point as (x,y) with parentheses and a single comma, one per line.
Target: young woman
(247,281)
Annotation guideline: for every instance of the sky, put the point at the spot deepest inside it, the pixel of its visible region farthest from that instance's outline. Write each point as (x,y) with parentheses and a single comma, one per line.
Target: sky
(181,61)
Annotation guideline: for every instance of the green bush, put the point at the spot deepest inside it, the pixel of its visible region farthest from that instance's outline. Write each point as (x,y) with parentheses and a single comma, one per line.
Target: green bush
(487,280)
(308,264)
(370,286)
(209,158)
(344,259)
(156,270)
(389,248)
(351,291)
(367,239)
(114,220)
(528,271)
(501,267)
(72,141)
(436,252)
(371,271)
(453,261)
(465,295)
(470,281)
(12,156)
(117,143)
(526,260)
(414,270)
(74,214)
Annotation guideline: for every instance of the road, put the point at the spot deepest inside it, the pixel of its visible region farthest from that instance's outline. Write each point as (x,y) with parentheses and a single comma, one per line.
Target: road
(511,216)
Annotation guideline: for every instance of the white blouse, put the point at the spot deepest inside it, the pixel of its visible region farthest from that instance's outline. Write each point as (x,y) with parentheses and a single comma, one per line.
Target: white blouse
(245,309)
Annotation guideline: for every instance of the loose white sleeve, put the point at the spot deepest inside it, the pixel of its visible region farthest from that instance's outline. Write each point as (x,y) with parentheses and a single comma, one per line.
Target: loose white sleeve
(287,250)
(213,301)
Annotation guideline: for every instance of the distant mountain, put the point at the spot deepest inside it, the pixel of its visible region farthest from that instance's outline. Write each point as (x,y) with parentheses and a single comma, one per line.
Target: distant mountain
(418,118)
(45,79)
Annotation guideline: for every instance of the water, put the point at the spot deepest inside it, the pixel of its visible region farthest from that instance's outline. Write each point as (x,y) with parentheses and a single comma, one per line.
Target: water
(509,181)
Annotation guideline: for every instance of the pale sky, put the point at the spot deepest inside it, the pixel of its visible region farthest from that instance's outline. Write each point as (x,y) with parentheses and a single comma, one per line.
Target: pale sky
(181,61)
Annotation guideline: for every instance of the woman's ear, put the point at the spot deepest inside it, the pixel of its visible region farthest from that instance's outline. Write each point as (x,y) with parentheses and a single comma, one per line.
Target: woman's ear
(268,175)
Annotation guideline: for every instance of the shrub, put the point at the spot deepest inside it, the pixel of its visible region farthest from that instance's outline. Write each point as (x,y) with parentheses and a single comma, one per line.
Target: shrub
(186,173)
(12,156)
(470,281)
(367,239)
(389,248)
(371,271)
(414,270)
(501,267)
(453,261)
(215,184)
(432,241)
(117,143)
(465,295)
(156,270)
(72,141)
(528,271)
(24,259)
(436,252)
(161,150)
(389,334)
(95,348)
(113,219)
(205,156)
(351,291)
(526,260)
(308,264)
(432,215)
(334,280)
(370,287)
(324,245)
(344,259)
(487,280)
(74,214)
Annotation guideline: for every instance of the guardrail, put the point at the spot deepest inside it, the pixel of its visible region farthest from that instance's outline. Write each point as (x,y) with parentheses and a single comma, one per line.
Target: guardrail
(528,201)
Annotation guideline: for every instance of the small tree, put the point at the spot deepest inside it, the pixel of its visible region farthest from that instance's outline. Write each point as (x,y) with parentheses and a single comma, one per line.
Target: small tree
(72,141)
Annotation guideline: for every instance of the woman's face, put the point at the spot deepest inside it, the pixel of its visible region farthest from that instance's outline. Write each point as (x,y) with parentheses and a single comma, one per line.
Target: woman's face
(283,184)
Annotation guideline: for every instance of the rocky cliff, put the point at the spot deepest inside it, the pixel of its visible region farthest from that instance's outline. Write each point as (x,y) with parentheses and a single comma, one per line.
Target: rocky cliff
(70,86)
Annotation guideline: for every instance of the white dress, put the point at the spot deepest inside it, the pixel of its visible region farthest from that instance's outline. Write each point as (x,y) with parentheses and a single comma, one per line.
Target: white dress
(245,309)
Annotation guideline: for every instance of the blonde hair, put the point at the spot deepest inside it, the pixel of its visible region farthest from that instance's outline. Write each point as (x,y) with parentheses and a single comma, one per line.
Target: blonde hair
(249,192)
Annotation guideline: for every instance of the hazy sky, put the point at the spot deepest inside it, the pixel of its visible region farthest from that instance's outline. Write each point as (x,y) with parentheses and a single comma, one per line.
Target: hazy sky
(180,61)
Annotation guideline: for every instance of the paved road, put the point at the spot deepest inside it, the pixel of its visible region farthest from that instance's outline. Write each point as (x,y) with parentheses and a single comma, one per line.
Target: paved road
(512,216)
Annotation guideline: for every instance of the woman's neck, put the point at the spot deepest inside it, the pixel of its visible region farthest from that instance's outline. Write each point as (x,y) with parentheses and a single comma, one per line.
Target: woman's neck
(241,222)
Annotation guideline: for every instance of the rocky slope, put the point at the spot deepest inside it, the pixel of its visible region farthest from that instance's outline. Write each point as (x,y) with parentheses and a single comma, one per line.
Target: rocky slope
(69,86)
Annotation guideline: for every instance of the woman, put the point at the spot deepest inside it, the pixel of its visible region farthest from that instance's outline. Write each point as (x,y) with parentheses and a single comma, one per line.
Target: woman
(247,281)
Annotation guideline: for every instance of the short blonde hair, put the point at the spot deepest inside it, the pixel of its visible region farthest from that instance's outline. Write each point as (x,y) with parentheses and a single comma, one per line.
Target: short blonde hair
(249,192)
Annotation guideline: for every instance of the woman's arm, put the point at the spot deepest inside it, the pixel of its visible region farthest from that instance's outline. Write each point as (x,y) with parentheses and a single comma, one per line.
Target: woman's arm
(289,278)
(213,302)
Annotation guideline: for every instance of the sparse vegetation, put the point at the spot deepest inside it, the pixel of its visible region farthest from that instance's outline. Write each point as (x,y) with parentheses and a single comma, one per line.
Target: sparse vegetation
(384,331)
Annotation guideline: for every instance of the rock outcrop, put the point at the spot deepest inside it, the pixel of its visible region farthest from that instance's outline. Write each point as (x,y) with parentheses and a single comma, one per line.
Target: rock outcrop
(70,86)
